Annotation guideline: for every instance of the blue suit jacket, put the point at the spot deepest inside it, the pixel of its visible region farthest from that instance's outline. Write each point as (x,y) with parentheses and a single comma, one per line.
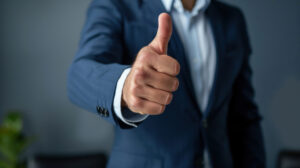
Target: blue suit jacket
(114,32)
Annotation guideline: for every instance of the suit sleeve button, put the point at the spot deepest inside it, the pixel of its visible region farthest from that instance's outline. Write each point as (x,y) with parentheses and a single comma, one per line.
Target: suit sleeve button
(105,113)
(99,110)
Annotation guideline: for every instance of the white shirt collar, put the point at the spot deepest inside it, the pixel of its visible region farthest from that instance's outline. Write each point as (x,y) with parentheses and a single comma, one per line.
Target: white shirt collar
(200,5)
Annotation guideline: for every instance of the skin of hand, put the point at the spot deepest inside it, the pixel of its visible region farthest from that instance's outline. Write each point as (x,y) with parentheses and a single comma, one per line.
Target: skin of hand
(149,85)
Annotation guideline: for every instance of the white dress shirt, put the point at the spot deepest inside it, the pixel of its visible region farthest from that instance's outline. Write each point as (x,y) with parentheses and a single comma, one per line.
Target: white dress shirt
(197,38)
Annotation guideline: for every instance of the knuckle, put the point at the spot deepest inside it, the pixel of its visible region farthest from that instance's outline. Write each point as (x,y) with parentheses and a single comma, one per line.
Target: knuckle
(144,49)
(135,89)
(139,75)
(144,55)
(136,103)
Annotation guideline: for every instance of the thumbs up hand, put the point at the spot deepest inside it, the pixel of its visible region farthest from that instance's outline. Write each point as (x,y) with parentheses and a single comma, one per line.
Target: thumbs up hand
(148,87)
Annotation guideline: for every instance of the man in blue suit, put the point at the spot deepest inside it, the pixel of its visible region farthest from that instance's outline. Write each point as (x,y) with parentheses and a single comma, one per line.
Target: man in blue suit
(178,90)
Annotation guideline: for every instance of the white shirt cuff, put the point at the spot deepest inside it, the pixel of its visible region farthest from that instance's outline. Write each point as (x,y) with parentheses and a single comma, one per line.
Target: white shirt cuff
(126,116)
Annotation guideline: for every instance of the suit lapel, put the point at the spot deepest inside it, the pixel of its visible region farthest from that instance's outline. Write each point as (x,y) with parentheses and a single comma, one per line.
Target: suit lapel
(176,49)
(214,18)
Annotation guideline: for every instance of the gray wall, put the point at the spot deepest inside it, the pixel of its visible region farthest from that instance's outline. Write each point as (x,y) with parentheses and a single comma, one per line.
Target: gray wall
(39,38)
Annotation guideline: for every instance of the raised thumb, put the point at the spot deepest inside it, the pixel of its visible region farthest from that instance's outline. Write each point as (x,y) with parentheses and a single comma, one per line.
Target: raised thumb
(163,35)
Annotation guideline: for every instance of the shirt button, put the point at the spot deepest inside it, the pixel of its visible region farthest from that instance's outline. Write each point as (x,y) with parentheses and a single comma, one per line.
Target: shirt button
(204,123)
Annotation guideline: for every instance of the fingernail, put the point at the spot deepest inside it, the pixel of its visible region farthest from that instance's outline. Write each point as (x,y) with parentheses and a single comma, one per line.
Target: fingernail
(168,99)
(162,109)
(176,85)
(176,68)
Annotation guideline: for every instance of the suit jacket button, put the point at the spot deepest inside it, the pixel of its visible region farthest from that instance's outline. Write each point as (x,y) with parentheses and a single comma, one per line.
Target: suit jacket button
(204,123)
(199,162)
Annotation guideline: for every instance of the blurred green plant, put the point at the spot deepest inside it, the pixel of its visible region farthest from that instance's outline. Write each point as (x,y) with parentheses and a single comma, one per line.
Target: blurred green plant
(12,141)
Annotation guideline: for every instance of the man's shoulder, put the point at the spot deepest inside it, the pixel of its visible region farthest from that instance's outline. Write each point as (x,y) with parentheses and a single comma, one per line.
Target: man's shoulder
(232,16)
(122,7)
(116,3)
(229,12)
(227,8)
(234,24)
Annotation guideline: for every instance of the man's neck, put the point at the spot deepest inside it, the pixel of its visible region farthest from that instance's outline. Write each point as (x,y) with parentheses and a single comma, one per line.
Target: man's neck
(188,4)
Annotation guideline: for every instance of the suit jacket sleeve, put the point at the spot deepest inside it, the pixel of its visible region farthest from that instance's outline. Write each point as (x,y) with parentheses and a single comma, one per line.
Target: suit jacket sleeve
(244,119)
(97,66)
